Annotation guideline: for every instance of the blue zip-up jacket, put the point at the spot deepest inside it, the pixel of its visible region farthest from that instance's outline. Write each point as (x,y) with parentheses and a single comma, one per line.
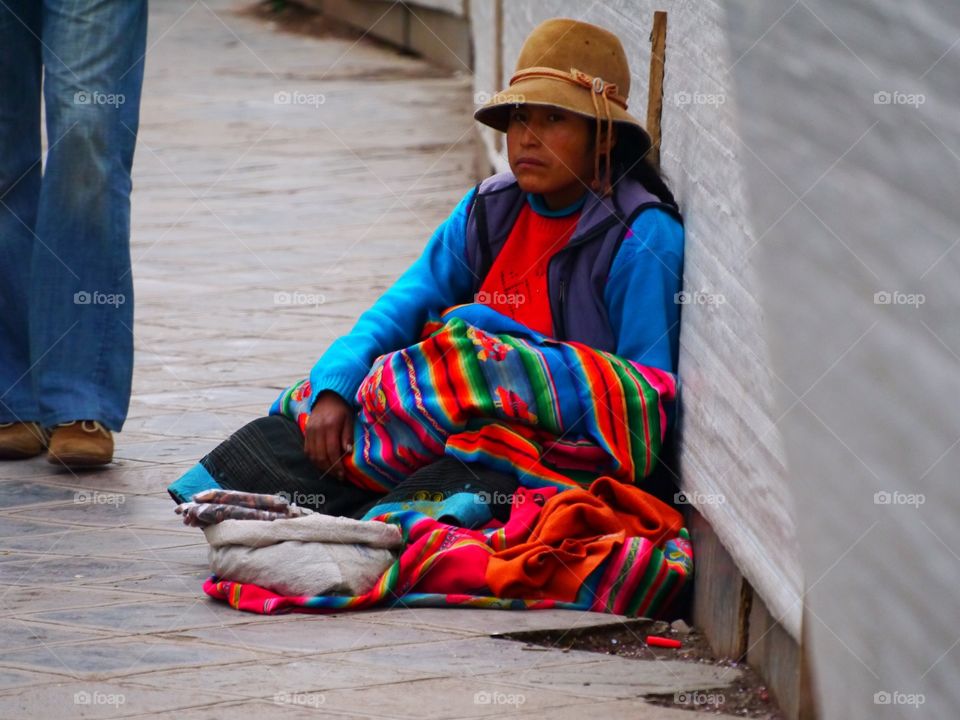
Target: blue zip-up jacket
(640,298)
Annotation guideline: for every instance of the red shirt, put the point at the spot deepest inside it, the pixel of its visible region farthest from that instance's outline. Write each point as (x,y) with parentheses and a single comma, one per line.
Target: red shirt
(517,282)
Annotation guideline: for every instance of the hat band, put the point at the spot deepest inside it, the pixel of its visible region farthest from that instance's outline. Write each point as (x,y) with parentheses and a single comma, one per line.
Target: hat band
(593,83)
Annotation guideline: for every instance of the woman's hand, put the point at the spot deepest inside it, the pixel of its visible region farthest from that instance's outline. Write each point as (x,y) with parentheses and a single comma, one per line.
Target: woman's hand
(329,433)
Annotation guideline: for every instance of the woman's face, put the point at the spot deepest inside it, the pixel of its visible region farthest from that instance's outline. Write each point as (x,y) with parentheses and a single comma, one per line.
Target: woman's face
(550,153)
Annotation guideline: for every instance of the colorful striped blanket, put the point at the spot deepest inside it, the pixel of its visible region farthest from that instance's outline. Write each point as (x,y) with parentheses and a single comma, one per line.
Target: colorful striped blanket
(446,566)
(482,387)
(580,427)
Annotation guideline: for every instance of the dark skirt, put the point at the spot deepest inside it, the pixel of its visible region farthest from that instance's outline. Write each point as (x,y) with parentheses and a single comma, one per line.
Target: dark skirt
(267,456)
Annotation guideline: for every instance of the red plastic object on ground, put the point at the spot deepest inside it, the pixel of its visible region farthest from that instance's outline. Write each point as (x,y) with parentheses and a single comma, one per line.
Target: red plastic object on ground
(656,641)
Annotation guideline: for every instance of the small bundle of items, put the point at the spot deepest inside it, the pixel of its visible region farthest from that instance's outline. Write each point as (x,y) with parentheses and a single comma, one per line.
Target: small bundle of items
(267,541)
(213,506)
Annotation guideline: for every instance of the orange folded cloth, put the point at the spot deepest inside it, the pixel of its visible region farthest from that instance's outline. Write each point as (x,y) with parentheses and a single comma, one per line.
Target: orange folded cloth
(641,513)
(576,531)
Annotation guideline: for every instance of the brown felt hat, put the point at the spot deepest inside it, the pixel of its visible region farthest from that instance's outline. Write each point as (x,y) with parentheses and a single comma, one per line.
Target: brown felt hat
(575,66)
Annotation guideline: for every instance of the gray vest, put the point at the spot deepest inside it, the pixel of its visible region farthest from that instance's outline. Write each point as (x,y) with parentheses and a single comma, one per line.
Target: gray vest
(577,273)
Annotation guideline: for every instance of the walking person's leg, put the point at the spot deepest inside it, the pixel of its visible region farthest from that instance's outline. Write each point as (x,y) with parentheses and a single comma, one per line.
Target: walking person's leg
(20,169)
(81,309)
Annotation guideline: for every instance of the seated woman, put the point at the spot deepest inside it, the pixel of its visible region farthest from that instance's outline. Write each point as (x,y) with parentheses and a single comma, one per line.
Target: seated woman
(581,241)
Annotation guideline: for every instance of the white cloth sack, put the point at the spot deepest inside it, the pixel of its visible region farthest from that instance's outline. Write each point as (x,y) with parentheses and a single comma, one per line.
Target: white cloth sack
(310,555)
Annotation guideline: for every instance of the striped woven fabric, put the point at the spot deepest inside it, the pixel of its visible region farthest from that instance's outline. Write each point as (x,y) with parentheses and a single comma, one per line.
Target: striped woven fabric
(481,387)
(445,566)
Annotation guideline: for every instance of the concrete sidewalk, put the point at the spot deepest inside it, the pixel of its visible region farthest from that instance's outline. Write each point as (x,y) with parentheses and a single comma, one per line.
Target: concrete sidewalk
(281,184)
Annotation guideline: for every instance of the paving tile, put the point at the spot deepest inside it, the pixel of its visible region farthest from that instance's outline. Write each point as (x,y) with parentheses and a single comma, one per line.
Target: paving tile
(254,708)
(97,699)
(38,468)
(214,398)
(619,710)
(26,542)
(51,570)
(255,410)
(14,528)
(32,467)
(123,542)
(311,634)
(267,679)
(19,635)
(233,371)
(105,659)
(103,508)
(21,601)
(472,656)
(130,437)
(460,697)
(619,678)
(141,478)
(165,449)
(184,582)
(194,556)
(195,423)
(146,617)
(484,622)
(13,678)
(14,493)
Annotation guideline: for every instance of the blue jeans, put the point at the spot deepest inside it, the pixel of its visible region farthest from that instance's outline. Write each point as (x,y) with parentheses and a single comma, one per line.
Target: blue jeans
(66,292)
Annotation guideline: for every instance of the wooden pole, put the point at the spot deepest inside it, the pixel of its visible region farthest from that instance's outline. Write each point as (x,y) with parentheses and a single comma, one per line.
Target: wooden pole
(658,47)
(501,138)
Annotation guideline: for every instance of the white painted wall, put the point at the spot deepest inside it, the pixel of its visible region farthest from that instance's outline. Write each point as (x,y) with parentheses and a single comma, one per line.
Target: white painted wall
(852,197)
(454,7)
(730,445)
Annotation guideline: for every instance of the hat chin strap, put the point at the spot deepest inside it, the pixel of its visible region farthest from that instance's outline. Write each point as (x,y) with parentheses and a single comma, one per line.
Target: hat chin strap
(600,90)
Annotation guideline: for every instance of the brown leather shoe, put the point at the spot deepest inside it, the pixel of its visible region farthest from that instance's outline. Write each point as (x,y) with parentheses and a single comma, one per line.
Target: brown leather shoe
(80,443)
(21,440)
